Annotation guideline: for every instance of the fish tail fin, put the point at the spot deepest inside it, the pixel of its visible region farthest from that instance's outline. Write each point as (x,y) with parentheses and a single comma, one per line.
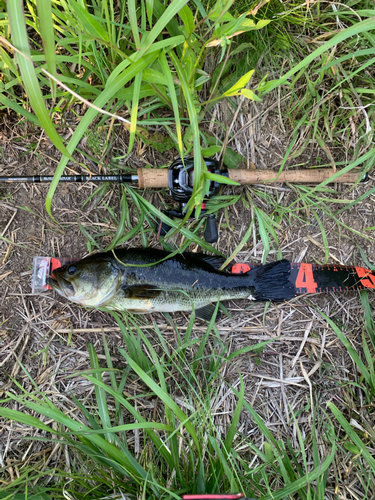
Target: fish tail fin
(272,282)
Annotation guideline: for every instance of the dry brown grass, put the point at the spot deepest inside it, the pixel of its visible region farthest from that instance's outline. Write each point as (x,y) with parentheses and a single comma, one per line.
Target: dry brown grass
(305,365)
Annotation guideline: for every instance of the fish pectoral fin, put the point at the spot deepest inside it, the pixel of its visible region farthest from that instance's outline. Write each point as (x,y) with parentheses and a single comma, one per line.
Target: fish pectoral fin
(141,291)
(206,312)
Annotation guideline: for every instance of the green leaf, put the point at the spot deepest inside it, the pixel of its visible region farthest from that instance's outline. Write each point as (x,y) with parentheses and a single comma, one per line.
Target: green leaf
(220,178)
(173,96)
(167,400)
(132,12)
(167,43)
(197,195)
(368,316)
(363,26)
(29,78)
(249,24)
(324,236)
(352,448)
(150,10)
(151,75)
(239,247)
(23,418)
(220,11)
(250,348)
(19,109)
(149,208)
(211,150)
(240,84)
(187,18)
(250,95)
(89,23)
(263,233)
(116,456)
(173,8)
(362,448)
(87,119)
(134,112)
(356,358)
(303,481)
(99,392)
(47,35)
(235,419)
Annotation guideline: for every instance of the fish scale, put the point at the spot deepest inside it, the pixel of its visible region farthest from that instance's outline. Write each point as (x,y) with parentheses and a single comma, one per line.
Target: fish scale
(175,300)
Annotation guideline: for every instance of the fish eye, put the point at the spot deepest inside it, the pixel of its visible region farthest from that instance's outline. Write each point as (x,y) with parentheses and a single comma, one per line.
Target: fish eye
(72,269)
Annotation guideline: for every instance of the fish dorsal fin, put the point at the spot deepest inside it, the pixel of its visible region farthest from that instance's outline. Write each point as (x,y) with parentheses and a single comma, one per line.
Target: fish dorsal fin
(215,261)
(206,313)
(141,291)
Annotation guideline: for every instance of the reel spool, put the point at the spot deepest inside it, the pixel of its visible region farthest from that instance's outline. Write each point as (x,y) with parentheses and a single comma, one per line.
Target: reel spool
(181,182)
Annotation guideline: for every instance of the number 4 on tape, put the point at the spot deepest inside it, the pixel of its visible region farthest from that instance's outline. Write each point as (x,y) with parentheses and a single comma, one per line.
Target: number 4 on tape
(367,279)
(305,278)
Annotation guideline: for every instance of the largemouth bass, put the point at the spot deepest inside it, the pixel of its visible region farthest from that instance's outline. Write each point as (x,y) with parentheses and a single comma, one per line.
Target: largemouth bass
(181,283)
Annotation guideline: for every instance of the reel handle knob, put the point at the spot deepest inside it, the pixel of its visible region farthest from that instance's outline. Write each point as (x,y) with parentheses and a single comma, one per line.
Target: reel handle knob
(210,233)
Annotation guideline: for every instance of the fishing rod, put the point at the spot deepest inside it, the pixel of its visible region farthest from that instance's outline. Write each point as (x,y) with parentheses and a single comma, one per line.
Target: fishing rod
(36,179)
(179,178)
(182,175)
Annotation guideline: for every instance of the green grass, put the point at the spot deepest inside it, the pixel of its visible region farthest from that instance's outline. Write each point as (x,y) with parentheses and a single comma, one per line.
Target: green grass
(181,450)
(140,65)
(182,446)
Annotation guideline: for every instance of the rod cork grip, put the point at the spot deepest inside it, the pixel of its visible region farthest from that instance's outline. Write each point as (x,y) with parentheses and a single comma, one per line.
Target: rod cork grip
(152,177)
(314,176)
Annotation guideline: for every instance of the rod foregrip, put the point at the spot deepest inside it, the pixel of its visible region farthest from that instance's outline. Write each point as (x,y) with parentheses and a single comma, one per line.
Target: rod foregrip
(313,176)
(152,178)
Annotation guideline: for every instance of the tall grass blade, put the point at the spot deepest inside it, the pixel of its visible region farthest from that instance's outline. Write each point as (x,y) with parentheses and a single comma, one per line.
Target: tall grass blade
(166,399)
(132,12)
(19,109)
(90,25)
(228,444)
(348,429)
(124,402)
(89,116)
(368,316)
(163,20)
(100,394)
(29,78)
(47,34)
(173,96)
(356,358)
(305,481)
(199,165)
(134,112)
(360,27)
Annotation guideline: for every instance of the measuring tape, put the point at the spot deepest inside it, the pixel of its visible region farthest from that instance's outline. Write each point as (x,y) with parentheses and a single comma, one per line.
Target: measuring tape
(307,278)
(314,278)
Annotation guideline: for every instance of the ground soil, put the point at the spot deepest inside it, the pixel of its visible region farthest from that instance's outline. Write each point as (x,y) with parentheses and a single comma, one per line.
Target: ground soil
(49,335)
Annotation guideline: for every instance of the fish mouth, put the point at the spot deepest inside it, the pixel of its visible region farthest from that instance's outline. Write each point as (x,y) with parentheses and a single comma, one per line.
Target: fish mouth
(61,285)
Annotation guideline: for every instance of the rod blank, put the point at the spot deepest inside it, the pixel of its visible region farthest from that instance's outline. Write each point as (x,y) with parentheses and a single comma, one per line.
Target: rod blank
(72,178)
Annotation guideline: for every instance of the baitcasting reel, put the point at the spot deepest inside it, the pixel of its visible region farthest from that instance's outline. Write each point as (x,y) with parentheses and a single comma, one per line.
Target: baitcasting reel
(181,182)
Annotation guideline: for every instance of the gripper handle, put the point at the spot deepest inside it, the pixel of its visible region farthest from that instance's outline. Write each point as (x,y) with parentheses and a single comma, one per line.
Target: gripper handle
(152,177)
(311,176)
(158,178)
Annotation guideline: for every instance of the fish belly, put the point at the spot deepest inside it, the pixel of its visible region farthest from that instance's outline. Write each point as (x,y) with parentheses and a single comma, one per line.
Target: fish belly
(173,300)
